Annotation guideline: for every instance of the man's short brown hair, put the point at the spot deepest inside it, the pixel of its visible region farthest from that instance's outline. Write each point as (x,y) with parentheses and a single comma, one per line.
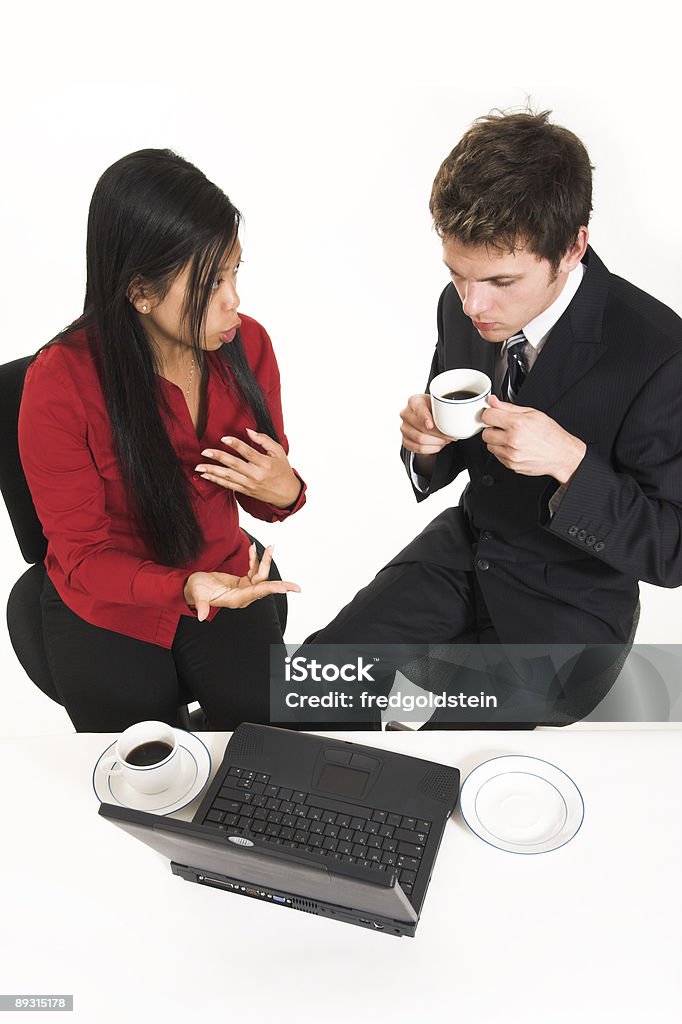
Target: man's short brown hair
(514,179)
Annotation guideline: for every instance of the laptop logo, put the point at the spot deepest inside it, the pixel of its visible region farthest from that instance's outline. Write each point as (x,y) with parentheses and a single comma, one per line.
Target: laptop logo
(240,840)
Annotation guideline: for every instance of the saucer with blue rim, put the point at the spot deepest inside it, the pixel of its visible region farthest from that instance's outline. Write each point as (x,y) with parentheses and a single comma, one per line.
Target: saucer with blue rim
(521,804)
(195,771)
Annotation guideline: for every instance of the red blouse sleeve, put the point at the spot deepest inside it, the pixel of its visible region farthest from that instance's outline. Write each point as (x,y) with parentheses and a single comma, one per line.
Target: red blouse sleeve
(68,494)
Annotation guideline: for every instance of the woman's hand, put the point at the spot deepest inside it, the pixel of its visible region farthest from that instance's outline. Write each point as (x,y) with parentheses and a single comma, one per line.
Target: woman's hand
(204,590)
(265,476)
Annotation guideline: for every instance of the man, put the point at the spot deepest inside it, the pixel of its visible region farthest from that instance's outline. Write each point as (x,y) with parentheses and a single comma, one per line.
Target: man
(575,490)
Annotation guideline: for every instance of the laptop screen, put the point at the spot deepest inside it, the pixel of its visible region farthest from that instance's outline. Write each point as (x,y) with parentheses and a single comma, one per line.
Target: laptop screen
(199,847)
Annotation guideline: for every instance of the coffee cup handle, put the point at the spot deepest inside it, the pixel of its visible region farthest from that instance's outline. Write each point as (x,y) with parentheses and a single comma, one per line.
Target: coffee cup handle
(110,765)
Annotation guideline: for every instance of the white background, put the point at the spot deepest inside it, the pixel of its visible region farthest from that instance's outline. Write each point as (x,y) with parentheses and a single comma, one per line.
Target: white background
(325,125)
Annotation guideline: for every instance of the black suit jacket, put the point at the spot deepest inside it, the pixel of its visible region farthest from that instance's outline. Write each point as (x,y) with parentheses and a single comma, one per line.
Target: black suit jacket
(611,374)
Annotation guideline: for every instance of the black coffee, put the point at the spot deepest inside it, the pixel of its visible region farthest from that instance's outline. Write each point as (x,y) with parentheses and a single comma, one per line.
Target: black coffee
(149,753)
(459,396)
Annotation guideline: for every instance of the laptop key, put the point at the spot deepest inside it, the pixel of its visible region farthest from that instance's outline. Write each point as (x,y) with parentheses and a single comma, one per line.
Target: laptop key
(359,851)
(248,811)
(286,807)
(316,828)
(260,814)
(343,820)
(389,858)
(423,826)
(298,797)
(287,833)
(301,837)
(395,820)
(411,863)
(345,834)
(286,794)
(315,813)
(260,777)
(390,845)
(379,816)
(242,823)
(257,826)
(275,817)
(233,806)
(257,787)
(344,848)
(374,842)
(409,823)
(290,821)
(301,811)
(272,790)
(328,817)
(407,836)
(372,828)
(357,823)
(331,830)
(215,815)
(407,877)
(329,843)
(272,804)
(410,849)
(374,855)
(386,831)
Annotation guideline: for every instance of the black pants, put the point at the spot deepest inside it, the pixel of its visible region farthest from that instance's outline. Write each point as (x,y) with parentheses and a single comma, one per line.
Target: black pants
(418,603)
(108,681)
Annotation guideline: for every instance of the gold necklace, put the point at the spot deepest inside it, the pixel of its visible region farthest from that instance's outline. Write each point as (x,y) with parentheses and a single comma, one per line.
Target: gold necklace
(191,377)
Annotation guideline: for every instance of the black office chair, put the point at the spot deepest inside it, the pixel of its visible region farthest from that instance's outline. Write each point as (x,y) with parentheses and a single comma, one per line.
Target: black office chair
(24,617)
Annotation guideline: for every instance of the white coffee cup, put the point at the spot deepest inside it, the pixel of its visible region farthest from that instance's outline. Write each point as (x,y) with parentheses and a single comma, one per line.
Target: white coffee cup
(459,417)
(129,757)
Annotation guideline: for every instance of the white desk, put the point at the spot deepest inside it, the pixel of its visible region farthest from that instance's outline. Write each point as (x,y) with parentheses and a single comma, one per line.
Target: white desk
(591,932)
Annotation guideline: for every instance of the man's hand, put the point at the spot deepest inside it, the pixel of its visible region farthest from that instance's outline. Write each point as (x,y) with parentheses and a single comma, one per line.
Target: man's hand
(420,433)
(266,475)
(529,442)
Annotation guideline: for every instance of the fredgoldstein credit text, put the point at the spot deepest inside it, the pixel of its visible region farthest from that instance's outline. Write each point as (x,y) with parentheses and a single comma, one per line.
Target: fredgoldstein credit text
(403,701)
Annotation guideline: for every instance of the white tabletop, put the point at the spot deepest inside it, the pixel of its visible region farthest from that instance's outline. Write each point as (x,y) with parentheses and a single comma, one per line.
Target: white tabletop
(590,932)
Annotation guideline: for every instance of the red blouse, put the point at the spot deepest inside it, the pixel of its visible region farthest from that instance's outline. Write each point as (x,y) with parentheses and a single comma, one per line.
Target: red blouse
(97,558)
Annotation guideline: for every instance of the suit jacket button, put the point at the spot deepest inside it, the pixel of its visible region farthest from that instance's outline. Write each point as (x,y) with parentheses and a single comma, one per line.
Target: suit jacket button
(599,545)
(582,535)
(572,530)
(487,480)
(590,540)
(486,535)
(483,564)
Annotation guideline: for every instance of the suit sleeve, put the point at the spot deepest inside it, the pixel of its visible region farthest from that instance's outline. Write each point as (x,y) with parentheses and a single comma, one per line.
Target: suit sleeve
(69,497)
(628,512)
(450,459)
(267,374)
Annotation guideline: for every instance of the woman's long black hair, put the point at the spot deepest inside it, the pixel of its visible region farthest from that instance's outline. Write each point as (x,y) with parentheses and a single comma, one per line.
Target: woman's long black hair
(152,214)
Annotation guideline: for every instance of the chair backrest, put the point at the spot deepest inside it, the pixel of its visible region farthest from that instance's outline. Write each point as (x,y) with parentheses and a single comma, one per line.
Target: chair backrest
(22,513)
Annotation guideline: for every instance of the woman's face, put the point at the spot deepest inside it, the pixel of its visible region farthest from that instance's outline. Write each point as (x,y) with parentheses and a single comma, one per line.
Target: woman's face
(162,318)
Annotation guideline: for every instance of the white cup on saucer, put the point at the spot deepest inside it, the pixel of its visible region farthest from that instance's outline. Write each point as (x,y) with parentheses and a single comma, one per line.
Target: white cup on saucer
(459,417)
(147,756)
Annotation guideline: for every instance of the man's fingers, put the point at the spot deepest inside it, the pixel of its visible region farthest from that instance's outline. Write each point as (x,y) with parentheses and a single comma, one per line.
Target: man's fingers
(420,406)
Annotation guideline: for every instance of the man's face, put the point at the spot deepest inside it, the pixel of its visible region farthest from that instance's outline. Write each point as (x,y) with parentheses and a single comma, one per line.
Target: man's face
(501,292)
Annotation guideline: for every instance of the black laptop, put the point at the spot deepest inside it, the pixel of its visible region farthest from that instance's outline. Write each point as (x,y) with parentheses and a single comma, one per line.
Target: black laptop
(325,826)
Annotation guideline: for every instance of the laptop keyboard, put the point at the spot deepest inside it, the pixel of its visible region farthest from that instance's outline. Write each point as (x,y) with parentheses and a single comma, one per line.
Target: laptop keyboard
(378,839)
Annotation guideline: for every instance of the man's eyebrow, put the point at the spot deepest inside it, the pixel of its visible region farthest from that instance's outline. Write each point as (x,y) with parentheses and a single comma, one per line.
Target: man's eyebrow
(495,277)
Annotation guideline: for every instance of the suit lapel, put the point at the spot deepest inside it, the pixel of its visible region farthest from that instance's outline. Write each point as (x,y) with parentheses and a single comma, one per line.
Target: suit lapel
(575,343)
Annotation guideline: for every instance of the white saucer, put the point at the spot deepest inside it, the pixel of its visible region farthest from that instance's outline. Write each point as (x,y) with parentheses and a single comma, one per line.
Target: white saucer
(521,804)
(194,774)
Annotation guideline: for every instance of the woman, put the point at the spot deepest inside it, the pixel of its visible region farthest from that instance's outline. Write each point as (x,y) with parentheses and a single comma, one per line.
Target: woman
(141,426)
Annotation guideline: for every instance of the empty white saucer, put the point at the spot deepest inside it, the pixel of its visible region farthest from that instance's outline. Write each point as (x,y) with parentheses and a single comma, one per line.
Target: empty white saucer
(521,804)
(194,774)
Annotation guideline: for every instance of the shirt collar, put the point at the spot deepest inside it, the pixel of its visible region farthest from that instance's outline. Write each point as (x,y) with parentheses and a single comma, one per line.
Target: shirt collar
(538,329)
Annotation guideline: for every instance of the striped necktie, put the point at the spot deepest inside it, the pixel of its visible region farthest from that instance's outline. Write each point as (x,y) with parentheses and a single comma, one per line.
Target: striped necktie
(517,366)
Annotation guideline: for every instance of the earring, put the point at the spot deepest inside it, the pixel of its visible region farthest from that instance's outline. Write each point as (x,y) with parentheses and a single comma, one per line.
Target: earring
(144,308)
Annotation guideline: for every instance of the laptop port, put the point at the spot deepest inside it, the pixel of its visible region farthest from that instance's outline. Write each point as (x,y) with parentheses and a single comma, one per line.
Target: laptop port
(376,924)
(279,899)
